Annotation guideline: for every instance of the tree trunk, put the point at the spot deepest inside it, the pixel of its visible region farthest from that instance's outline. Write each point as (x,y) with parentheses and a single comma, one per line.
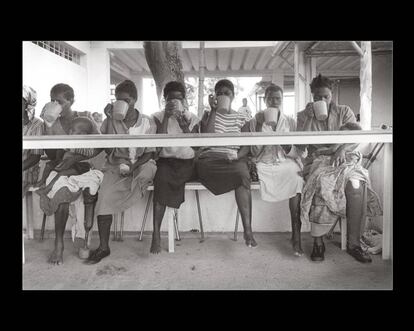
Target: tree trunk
(164,61)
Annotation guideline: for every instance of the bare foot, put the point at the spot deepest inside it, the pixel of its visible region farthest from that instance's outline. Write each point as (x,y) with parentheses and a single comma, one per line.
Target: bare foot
(79,242)
(156,244)
(56,257)
(297,249)
(250,242)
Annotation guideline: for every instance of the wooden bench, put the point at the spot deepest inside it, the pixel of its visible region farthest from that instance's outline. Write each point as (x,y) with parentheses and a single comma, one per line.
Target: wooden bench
(173,221)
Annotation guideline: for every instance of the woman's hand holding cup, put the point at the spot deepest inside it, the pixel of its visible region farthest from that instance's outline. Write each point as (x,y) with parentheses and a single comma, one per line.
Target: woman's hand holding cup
(124,169)
(212,101)
(309,109)
(170,108)
(51,111)
(108,110)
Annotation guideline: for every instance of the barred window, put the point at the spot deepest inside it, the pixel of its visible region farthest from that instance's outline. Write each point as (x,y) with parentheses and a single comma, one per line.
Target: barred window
(60,49)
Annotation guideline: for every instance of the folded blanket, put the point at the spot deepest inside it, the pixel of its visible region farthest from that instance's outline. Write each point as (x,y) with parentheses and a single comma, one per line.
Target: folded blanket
(91,179)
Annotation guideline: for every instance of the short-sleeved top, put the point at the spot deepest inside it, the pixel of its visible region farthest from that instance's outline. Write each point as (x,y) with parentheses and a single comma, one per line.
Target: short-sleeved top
(143,125)
(245,111)
(271,154)
(338,115)
(33,128)
(232,122)
(184,152)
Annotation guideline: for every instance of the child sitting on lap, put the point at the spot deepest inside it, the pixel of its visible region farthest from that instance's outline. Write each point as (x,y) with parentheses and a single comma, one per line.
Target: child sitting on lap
(79,126)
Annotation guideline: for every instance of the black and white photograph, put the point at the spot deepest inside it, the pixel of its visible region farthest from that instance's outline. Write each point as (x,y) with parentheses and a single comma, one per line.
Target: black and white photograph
(207,165)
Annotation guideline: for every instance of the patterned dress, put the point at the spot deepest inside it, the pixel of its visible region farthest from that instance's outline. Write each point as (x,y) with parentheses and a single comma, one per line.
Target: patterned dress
(118,193)
(323,196)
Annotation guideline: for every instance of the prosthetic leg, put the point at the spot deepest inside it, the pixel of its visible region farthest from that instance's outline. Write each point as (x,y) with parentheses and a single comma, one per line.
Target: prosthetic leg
(89,201)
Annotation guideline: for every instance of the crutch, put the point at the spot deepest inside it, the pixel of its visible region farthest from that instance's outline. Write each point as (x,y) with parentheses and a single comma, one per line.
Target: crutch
(371,158)
(42,231)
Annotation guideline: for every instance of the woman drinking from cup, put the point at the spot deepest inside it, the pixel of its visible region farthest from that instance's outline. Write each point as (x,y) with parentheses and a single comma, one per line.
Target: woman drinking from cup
(58,117)
(175,165)
(277,170)
(223,169)
(127,171)
(337,185)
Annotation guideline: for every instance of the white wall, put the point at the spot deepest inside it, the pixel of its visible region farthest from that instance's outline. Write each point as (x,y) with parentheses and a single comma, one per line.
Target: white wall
(43,69)
(349,94)
(382,89)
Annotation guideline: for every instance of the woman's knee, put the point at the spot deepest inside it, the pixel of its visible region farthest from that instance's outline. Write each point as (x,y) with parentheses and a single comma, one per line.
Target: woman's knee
(354,188)
(88,198)
(243,170)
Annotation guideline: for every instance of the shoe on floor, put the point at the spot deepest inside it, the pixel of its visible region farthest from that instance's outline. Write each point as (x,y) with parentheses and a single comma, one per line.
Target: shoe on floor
(318,252)
(359,254)
(97,255)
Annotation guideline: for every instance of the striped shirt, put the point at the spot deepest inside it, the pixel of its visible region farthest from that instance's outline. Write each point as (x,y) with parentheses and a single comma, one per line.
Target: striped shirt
(225,123)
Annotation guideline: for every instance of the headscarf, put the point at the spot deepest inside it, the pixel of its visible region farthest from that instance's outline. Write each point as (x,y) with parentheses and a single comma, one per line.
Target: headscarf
(30,96)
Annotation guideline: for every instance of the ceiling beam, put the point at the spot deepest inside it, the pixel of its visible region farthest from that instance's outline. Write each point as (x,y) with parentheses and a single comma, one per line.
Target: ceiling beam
(322,65)
(223,58)
(238,56)
(194,57)
(133,58)
(185,44)
(275,62)
(211,59)
(229,44)
(264,59)
(120,68)
(123,57)
(279,47)
(355,62)
(339,64)
(139,58)
(330,53)
(357,48)
(251,57)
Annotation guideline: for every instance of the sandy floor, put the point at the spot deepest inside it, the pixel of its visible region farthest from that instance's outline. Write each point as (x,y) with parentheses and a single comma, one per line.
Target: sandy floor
(218,263)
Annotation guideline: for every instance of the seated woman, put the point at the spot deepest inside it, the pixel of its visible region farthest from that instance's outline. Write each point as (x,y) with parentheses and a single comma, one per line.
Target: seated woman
(32,126)
(223,169)
(175,165)
(278,171)
(338,185)
(79,126)
(127,171)
(63,95)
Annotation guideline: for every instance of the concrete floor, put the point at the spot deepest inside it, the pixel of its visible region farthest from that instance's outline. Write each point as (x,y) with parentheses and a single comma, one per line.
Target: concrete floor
(216,264)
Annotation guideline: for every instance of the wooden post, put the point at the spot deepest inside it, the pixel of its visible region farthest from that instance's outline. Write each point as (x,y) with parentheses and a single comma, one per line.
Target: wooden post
(201,67)
(138,80)
(300,85)
(170,215)
(29,215)
(365,77)
(343,233)
(310,73)
(24,260)
(387,204)
(357,48)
